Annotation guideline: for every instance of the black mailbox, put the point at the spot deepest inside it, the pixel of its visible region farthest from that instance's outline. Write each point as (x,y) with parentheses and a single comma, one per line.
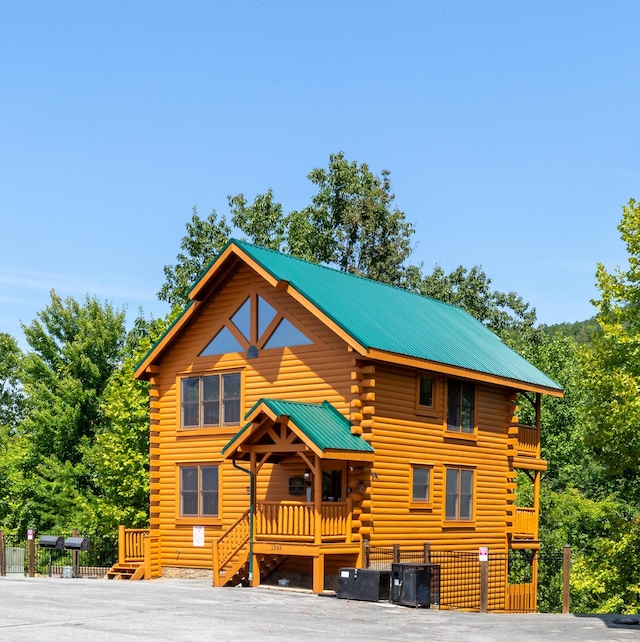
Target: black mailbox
(51,541)
(77,543)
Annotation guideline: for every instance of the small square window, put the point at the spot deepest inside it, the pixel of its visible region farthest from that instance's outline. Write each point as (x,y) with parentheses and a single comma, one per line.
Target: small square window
(459,494)
(199,491)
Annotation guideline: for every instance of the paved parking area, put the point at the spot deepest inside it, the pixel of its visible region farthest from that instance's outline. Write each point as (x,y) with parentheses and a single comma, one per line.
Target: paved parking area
(164,609)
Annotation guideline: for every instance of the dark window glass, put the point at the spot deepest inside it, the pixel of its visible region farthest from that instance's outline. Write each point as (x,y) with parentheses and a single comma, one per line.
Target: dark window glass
(461,406)
(209,490)
(420,484)
(199,491)
(231,398)
(426,392)
(451,508)
(190,405)
(211,400)
(459,494)
(189,490)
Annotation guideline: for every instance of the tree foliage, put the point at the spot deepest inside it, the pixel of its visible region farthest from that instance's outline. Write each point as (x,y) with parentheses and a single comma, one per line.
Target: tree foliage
(204,239)
(612,364)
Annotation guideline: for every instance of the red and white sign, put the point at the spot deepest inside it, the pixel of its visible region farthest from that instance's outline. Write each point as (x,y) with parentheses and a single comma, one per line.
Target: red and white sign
(483,554)
(30,534)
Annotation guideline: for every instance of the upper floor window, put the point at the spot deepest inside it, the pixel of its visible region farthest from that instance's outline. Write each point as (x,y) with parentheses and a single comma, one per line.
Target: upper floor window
(211,400)
(428,395)
(461,403)
(199,491)
(459,494)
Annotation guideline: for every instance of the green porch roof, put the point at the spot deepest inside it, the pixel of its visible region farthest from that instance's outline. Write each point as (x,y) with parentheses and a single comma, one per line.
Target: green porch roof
(390,319)
(321,423)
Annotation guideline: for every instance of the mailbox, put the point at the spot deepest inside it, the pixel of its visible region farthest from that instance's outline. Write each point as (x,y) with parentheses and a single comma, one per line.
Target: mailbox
(51,541)
(76,543)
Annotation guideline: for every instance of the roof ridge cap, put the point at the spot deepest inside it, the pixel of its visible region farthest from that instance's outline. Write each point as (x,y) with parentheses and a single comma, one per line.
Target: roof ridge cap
(350,274)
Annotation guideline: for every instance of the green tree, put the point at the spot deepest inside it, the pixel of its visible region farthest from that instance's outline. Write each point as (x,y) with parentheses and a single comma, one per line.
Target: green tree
(75,348)
(262,221)
(506,314)
(612,363)
(204,239)
(353,222)
(11,395)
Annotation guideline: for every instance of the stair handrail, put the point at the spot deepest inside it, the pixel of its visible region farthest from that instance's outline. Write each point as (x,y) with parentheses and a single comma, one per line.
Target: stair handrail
(221,557)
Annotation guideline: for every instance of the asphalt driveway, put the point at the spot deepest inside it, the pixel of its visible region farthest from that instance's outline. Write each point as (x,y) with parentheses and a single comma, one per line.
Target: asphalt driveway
(169,609)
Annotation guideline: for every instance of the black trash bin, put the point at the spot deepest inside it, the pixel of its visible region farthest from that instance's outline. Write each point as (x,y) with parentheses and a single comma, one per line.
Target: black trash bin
(364,584)
(415,584)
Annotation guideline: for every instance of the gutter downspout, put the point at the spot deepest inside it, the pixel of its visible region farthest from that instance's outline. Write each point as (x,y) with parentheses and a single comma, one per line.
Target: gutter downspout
(251,511)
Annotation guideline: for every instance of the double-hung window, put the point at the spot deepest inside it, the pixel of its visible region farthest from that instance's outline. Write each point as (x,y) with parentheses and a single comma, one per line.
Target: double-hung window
(199,491)
(420,484)
(461,405)
(459,494)
(210,401)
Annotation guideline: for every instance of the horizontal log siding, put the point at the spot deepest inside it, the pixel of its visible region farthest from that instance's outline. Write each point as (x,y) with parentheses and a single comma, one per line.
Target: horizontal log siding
(400,436)
(310,373)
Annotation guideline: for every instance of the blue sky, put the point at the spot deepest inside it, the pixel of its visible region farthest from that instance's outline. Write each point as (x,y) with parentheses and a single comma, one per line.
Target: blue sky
(510,129)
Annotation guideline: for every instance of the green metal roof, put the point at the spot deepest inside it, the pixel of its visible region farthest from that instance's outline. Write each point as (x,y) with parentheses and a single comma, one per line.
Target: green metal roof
(387,318)
(321,423)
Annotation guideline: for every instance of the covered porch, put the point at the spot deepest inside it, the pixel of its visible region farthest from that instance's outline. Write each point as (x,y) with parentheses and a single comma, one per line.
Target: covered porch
(304,455)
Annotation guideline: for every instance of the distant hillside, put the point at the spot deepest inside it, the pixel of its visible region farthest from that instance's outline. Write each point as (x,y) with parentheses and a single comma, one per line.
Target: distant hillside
(581,331)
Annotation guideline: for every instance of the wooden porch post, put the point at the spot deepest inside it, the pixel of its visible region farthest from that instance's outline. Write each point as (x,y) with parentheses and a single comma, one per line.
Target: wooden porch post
(121,544)
(317,501)
(536,501)
(254,559)
(318,560)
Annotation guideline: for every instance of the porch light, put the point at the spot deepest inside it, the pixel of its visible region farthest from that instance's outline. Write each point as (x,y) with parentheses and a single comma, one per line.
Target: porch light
(307,474)
(360,486)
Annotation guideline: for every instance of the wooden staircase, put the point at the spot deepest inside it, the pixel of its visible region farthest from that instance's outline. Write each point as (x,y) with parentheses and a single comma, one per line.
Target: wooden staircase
(126,571)
(138,555)
(231,556)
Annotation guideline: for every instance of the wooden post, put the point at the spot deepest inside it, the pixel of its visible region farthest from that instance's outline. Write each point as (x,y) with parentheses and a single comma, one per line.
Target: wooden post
(32,555)
(317,501)
(396,553)
(3,562)
(484,587)
(147,557)
(427,552)
(121,544)
(75,566)
(364,553)
(566,577)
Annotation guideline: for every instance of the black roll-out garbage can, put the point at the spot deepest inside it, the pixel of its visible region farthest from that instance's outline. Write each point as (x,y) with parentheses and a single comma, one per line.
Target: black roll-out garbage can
(415,584)
(363,584)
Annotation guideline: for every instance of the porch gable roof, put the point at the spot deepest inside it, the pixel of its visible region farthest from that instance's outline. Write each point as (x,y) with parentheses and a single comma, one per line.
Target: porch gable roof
(320,426)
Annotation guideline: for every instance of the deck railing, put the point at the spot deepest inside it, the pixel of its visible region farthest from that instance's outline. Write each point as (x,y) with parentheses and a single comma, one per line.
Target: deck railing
(296,521)
(528,440)
(525,523)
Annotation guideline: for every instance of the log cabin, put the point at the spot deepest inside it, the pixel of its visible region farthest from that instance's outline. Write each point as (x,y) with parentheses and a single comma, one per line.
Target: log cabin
(298,411)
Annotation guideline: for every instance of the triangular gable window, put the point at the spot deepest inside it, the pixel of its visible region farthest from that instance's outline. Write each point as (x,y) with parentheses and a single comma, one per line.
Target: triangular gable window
(286,334)
(242,319)
(266,314)
(260,325)
(222,343)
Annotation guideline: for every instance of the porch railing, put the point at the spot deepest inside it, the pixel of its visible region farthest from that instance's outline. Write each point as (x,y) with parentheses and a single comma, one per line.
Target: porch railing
(296,521)
(525,523)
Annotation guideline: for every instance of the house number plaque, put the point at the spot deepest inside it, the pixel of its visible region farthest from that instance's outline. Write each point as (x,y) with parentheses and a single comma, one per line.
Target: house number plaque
(296,485)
